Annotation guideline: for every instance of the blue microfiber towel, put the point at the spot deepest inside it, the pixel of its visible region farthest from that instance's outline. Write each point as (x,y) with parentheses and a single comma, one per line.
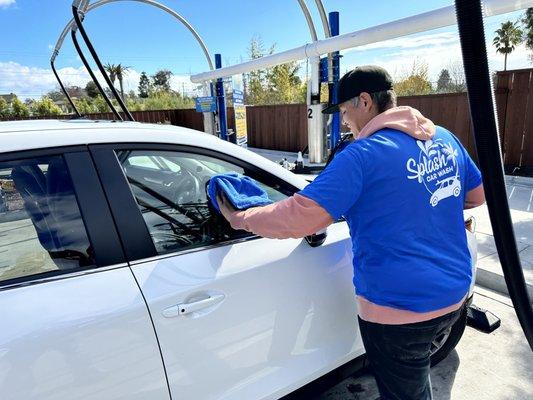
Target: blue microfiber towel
(242,191)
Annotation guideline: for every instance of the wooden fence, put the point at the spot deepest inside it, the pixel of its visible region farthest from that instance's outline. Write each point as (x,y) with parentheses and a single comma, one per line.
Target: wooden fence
(277,127)
(448,110)
(514,98)
(284,127)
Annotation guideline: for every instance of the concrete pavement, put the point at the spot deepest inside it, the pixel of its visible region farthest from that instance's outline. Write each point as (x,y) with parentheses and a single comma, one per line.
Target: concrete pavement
(495,366)
(489,274)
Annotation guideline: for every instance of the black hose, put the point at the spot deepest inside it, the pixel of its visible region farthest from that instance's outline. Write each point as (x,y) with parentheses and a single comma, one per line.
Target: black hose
(480,98)
(93,77)
(63,89)
(98,63)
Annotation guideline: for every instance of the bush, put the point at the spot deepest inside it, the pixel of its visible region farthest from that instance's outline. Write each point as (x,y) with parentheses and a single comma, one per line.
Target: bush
(19,109)
(45,107)
(414,82)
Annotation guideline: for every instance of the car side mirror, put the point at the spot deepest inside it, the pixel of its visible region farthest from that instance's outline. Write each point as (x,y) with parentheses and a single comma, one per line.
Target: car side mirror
(317,239)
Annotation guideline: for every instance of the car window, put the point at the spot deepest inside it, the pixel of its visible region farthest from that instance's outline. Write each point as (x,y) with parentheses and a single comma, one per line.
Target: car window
(143,161)
(173,200)
(153,162)
(41,228)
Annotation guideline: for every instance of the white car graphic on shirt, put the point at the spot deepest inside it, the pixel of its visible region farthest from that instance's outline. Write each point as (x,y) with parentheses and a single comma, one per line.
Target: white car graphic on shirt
(446,188)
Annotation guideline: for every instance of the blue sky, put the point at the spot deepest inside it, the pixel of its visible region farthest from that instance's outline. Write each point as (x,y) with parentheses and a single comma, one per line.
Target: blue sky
(146,39)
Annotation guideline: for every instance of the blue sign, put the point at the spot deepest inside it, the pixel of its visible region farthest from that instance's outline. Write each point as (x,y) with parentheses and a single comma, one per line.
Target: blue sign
(206,104)
(238,96)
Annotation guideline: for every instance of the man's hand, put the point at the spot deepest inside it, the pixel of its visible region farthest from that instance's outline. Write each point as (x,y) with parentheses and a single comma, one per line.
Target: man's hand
(225,206)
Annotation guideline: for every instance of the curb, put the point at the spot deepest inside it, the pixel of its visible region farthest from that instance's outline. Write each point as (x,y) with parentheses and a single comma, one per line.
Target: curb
(518,180)
(496,282)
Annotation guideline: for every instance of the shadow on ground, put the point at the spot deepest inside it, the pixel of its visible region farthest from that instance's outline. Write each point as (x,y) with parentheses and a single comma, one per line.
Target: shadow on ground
(443,376)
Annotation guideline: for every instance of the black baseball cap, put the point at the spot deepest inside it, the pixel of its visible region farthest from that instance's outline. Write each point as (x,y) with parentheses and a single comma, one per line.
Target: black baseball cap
(367,78)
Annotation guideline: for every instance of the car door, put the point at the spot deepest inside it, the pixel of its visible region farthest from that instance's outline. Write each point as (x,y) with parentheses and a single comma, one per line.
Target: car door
(74,324)
(237,316)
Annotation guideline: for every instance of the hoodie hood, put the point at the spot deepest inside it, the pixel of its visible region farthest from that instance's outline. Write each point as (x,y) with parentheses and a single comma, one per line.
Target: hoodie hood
(406,119)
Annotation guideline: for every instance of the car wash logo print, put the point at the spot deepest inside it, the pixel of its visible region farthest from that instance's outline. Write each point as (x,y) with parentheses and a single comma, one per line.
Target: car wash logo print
(437,169)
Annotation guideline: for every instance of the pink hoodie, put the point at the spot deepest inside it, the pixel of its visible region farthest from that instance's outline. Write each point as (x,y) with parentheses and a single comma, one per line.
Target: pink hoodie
(403,118)
(298,216)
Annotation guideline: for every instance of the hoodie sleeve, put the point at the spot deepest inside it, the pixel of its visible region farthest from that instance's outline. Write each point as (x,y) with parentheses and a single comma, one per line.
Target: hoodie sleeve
(294,217)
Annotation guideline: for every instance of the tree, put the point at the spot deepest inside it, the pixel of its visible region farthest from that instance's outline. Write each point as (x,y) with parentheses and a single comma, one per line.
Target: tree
(84,105)
(279,84)
(256,80)
(452,79)
(507,38)
(4,109)
(457,74)
(415,82)
(91,89)
(145,87)
(19,109)
(112,72)
(56,95)
(100,105)
(284,85)
(161,80)
(444,83)
(527,20)
(121,71)
(45,107)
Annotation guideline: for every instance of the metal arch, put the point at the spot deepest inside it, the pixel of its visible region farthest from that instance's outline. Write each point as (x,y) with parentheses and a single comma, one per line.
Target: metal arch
(325,26)
(309,20)
(327,34)
(87,8)
(323,17)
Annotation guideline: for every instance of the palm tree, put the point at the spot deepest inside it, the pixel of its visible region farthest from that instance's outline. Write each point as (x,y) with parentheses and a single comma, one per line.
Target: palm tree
(112,71)
(507,38)
(121,71)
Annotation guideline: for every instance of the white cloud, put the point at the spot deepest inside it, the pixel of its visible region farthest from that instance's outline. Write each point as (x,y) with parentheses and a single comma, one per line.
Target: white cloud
(6,3)
(181,83)
(437,50)
(33,82)
(51,46)
(408,42)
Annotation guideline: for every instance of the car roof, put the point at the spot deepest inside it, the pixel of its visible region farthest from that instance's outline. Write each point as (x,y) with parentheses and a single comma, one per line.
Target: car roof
(40,134)
(40,125)
(45,124)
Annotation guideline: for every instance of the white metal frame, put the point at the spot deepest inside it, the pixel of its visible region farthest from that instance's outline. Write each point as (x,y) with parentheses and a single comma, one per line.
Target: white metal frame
(406,26)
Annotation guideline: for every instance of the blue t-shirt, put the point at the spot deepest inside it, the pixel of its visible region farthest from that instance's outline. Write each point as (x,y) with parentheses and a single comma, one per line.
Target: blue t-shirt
(403,200)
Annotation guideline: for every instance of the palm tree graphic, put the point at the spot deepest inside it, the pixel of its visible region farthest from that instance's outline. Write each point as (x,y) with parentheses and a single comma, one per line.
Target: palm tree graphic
(451,153)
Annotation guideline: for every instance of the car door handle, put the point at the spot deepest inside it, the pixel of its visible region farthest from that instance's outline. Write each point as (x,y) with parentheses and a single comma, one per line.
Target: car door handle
(188,308)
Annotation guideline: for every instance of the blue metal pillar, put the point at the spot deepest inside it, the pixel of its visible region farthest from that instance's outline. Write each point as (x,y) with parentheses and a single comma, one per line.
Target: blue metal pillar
(221,101)
(336,122)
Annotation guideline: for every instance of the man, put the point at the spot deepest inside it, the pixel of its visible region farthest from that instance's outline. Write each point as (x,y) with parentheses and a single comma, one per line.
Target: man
(401,186)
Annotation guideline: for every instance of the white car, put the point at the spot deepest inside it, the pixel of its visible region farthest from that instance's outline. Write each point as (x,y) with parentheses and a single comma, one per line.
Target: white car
(446,188)
(117,281)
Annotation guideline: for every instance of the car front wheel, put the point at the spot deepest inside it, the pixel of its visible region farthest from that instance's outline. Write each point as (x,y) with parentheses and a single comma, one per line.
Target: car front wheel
(443,344)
